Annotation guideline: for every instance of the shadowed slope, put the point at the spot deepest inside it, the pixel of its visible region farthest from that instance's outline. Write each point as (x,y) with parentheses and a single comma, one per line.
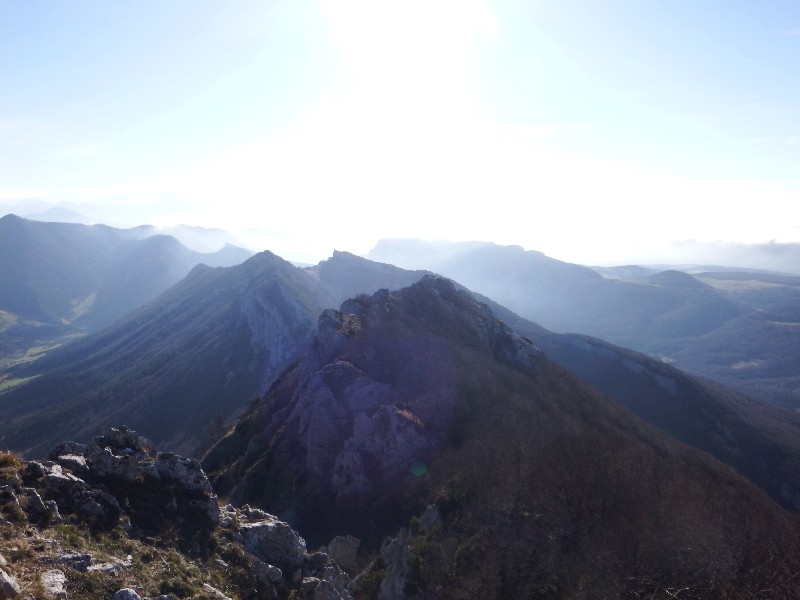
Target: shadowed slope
(542,485)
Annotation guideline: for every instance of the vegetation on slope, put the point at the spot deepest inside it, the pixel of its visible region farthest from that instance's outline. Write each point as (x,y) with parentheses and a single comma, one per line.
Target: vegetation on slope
(544,488)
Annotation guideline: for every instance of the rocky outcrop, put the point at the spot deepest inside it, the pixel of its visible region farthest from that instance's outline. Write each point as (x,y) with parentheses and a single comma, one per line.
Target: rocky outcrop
(368,407)
(9,588)
(119,485)
(394,554)
(343,550)
(282,555)
(167,483)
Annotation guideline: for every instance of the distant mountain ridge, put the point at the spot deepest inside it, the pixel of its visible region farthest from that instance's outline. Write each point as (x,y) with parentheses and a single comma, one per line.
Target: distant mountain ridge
(718,326)
(73,278)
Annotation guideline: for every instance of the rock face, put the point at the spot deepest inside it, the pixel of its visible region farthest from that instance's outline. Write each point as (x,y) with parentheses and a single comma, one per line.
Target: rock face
(118,485)
(370,404)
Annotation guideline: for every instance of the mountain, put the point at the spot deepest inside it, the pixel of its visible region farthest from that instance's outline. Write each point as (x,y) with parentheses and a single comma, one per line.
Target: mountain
(536,485)
(704,323)
(200,351)
(200,239)
(771,256)
(58,279)
(197,355)
(564,297)
(59,214)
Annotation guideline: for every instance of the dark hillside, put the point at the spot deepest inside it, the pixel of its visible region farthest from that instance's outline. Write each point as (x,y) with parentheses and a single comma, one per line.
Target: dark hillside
(541,487)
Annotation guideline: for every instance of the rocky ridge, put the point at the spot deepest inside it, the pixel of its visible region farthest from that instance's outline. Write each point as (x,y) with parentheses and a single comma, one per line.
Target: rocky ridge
(538,486)
(357,431)
(113,518)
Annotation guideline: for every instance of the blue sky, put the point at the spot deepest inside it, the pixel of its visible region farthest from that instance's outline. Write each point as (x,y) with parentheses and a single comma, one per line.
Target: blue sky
(592,131)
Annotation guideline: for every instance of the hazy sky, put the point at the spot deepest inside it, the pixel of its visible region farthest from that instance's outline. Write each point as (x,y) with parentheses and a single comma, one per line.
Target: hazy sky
(592,131)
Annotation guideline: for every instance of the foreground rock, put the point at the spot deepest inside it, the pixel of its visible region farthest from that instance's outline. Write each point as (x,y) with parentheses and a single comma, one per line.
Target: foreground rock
(126,505)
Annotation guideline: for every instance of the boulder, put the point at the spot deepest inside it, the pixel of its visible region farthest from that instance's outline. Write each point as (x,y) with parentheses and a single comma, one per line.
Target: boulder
(53,583)
(343,550)
(273,541)
(9,588)
(185,472)
(266,573)
(127,594)
(76,463)
(67,448)
(123,439)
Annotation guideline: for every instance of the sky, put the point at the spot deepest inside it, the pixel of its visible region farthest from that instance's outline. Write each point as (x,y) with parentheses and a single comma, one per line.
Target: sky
(596,132)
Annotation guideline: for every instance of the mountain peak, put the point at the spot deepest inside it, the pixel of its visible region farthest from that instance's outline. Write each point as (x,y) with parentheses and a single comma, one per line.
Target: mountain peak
(421,397)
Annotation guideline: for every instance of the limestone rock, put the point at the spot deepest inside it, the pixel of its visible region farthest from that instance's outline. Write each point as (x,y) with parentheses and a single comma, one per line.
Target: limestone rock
(121,438)
(9,588)
(111,566)
(395,556)
(77,561)
(68,449)
(127,594)
(215,592)
(76,463)
(185,472)
(273,541)
(54,582)
(320,589)
(266,573)
(343,550)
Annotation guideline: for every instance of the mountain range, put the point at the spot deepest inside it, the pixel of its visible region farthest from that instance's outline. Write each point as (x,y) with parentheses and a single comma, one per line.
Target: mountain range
(179,368)
(59,280)
(501,459)
(739,328)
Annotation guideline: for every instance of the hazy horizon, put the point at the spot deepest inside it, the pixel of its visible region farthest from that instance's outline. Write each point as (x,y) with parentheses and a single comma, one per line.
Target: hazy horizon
(594,134)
